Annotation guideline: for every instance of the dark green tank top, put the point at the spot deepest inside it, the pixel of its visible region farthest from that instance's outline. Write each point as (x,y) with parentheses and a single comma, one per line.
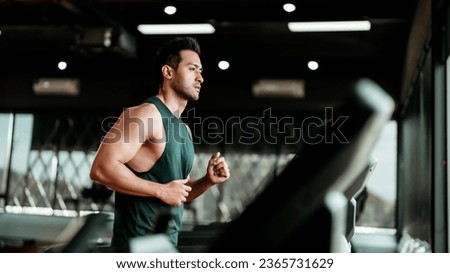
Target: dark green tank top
(136,216)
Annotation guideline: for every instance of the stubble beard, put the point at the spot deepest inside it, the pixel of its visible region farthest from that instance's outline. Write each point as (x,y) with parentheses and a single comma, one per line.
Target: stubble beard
(189,96)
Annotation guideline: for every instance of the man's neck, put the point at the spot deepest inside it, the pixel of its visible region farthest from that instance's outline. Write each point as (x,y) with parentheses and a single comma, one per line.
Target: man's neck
(174,103)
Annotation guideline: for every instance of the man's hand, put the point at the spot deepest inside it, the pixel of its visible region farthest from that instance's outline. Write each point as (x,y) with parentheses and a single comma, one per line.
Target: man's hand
(175,192)
(217,171)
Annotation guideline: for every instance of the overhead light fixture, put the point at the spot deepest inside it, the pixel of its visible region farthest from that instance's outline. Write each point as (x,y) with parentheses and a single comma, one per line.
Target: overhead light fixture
(289,7)
(313,65)
(329,26)
(62,65)
(57,86)
(279,88)
(176,28)
(170,10)
(223,65)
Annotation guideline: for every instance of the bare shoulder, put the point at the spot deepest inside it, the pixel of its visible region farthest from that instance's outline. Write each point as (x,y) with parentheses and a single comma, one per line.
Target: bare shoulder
(142,111)
(146,119)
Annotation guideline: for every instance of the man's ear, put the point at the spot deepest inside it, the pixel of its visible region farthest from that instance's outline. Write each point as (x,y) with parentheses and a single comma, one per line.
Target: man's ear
(167,72)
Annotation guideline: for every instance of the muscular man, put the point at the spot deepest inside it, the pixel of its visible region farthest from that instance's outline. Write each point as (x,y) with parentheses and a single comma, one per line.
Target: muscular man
(146,157)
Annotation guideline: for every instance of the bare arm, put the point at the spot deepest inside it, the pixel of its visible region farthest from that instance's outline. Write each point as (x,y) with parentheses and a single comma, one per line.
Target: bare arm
(216,172)
(120,145)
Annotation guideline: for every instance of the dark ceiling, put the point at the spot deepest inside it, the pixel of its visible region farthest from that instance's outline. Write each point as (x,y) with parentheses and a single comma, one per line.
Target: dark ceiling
(251,34)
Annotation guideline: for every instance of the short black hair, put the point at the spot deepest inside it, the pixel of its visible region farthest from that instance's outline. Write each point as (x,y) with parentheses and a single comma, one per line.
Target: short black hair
(169,54)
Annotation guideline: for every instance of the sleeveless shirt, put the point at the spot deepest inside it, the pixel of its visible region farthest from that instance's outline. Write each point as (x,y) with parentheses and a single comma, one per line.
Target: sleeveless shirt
(136,216)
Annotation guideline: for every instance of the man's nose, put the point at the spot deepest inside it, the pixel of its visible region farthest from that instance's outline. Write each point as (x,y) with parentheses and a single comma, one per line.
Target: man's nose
(200,78)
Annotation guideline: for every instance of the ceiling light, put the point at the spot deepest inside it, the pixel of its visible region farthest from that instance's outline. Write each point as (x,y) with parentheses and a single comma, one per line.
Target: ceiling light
(170,10)
(176,29)
(224,65)
(62,65)
(288,7)
(329,26)
(313,65)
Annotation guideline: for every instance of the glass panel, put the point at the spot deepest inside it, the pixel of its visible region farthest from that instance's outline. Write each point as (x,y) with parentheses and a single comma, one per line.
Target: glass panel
(6,125)
(379,206)
(23,127)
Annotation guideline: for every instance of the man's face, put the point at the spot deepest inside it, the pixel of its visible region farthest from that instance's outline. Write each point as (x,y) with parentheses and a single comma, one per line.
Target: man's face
(188,77)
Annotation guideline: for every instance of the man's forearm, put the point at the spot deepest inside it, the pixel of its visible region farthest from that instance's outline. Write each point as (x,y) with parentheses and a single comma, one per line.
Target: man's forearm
(199,186)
